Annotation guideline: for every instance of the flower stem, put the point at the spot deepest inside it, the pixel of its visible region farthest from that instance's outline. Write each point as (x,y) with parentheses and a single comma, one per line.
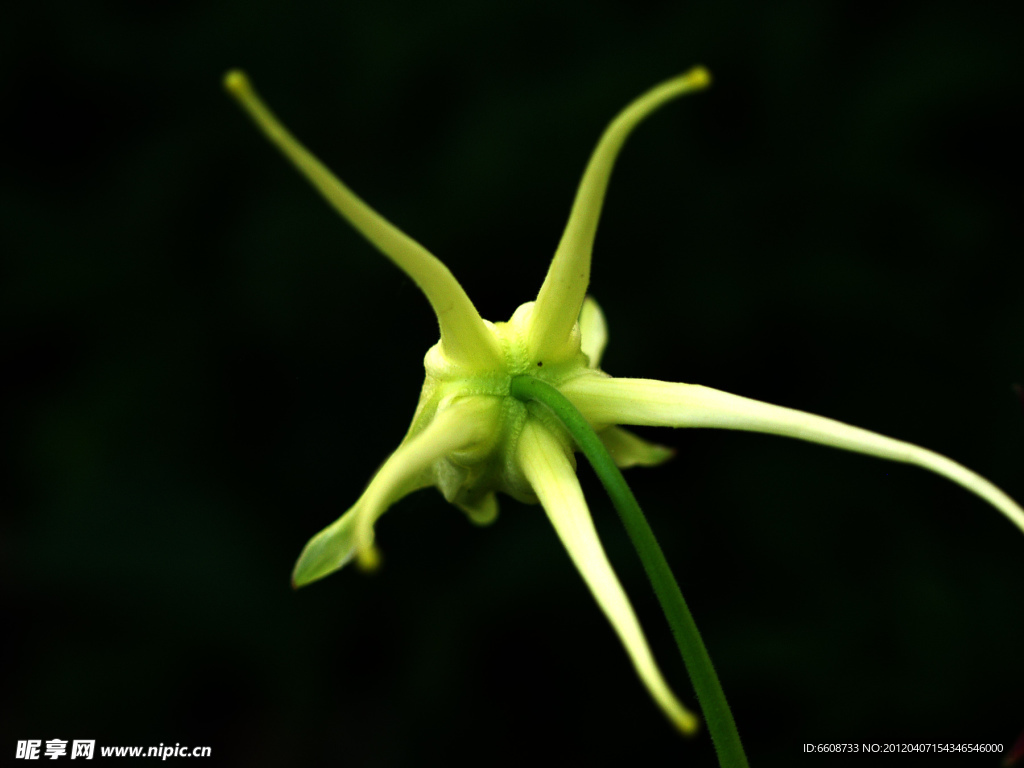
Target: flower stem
(709,691)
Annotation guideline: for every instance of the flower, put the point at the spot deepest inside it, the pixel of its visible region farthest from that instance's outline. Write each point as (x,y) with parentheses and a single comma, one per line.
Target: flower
(471,439)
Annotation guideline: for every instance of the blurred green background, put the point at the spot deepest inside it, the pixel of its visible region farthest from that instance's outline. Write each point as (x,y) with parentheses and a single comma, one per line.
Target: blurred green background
(203,366)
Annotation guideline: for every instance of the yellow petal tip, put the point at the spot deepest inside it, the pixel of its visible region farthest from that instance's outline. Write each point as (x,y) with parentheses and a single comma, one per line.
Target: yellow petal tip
(698,77)
(236,82)
(368,559)
(687,724)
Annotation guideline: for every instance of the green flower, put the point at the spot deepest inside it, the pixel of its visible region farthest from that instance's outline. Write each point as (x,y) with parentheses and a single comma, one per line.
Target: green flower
(471,439)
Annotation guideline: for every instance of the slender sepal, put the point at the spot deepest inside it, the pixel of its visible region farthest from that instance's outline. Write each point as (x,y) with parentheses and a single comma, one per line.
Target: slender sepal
(464,336)
(561,295)
(549,471)
(605,400)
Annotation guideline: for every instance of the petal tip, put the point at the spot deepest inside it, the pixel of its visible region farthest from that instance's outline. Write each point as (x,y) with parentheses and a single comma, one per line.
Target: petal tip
(698,77)
(662,455)
(483,512)
(368,559)
(236,82)
(303,574)
(687,724)
(483,519)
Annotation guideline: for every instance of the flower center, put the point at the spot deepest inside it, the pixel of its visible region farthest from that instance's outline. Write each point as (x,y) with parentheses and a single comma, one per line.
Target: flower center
(491,465)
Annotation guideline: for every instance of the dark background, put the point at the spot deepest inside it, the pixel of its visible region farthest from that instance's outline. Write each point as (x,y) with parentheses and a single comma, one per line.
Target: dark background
(202,366)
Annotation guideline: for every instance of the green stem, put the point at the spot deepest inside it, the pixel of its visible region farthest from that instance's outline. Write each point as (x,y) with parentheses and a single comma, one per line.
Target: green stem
(719,718)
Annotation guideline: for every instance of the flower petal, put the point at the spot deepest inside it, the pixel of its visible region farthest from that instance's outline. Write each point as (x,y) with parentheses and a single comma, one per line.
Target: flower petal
(593,332)
(561,295)
(631,450)
(461,425)
(642,401)
(465,338)
(548,469)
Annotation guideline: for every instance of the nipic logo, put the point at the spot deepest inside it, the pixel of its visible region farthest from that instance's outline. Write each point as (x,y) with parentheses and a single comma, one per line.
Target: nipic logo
(29,749)
(34,749)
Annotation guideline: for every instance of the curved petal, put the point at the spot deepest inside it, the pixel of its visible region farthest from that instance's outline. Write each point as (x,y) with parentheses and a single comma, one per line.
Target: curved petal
(462,425)
(593,332)
(643,401)
(548,470)
(465,338)
(408,469)
(561,295)
(334,546)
